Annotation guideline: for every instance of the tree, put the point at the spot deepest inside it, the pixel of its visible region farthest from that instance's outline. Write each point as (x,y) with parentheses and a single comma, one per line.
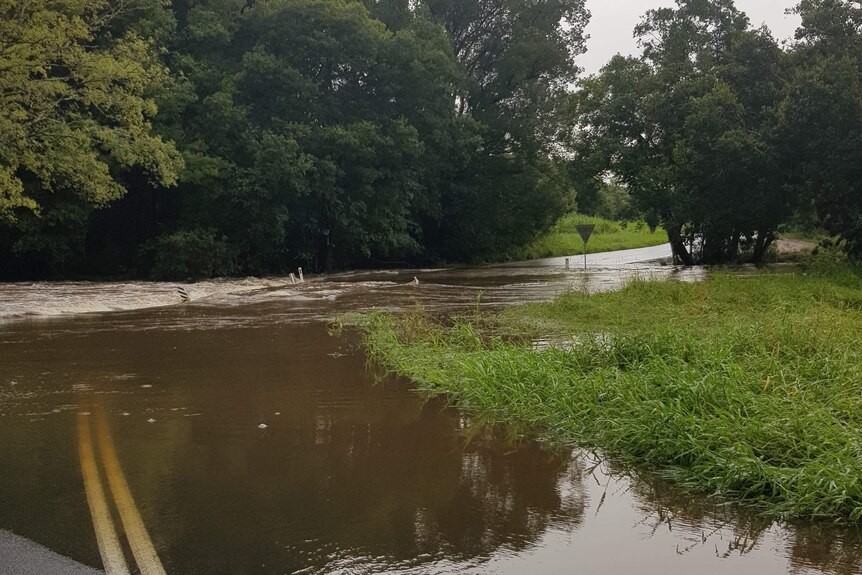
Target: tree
(322,133)
(689,128)
(518,59)
(74,114)
(517,62)
(821,117)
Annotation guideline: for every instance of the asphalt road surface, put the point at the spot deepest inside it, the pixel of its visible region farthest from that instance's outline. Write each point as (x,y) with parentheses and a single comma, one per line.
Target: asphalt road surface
(19,556)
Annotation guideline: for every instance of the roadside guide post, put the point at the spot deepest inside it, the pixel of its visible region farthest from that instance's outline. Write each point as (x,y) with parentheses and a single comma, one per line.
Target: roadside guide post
(586,231)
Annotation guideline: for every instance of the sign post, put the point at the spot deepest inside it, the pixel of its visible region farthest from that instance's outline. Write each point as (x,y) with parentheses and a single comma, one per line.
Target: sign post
(586,232)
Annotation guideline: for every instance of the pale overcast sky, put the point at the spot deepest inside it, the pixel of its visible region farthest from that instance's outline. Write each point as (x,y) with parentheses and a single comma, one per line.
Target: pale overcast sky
(613,23)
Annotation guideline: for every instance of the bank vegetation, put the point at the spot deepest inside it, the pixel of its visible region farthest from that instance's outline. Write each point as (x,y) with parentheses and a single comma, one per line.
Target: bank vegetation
(746,386)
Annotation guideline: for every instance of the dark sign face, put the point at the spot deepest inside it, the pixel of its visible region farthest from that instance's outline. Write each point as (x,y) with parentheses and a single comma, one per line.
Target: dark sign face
(586,231)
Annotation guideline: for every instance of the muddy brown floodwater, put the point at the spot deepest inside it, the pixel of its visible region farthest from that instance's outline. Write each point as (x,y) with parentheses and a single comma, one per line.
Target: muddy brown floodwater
(251,441)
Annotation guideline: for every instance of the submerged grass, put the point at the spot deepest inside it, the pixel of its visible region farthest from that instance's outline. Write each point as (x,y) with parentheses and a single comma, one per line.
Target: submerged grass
(749,387)
(563,239)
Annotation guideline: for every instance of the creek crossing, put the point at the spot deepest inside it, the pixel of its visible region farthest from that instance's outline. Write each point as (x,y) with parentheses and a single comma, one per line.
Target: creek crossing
(235,435)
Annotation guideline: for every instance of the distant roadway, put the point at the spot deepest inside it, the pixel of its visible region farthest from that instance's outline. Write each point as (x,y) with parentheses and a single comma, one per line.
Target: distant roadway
(605,259)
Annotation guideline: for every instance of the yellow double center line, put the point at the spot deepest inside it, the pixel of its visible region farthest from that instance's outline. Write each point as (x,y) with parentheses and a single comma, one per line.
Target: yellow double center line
(106,534)
(110,549)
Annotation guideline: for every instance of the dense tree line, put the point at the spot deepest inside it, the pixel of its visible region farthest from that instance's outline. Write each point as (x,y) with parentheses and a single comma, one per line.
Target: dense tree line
(220,137)
(217,137)
(722,136)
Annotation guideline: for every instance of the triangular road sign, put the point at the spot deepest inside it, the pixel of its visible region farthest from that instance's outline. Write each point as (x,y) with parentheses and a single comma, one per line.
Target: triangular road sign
(586,231)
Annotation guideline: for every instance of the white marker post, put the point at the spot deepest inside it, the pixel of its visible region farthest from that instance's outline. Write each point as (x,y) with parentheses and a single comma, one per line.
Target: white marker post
(586,232)
(301,279)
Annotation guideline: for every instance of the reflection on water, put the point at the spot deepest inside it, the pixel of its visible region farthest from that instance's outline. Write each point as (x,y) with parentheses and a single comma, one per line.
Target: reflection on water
(346,475)
(268,447)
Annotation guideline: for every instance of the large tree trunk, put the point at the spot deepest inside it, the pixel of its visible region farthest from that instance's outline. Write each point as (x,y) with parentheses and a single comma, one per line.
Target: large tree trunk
(733,250)
(677,244)
(761,246)
(711,249)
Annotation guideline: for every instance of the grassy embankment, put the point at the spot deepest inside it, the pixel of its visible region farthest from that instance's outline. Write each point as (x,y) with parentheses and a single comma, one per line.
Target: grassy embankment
(745,387)
(563,239)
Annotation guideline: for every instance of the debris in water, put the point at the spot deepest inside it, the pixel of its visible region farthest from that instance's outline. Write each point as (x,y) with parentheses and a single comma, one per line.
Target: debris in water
(262,426)
(278,413)
(146,386)
(151,420)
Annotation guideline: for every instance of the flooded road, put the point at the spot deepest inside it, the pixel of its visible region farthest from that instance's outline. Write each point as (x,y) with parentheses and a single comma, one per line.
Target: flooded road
(235,435)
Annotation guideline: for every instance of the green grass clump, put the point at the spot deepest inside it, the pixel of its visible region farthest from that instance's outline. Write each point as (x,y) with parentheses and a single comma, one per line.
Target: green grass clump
(563,239)
(749,387)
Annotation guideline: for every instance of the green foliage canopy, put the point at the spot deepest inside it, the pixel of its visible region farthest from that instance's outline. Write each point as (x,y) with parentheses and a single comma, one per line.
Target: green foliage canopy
(328,133)
(189,139)
(72,113)
(689,128)
(821,117)
(722,136)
